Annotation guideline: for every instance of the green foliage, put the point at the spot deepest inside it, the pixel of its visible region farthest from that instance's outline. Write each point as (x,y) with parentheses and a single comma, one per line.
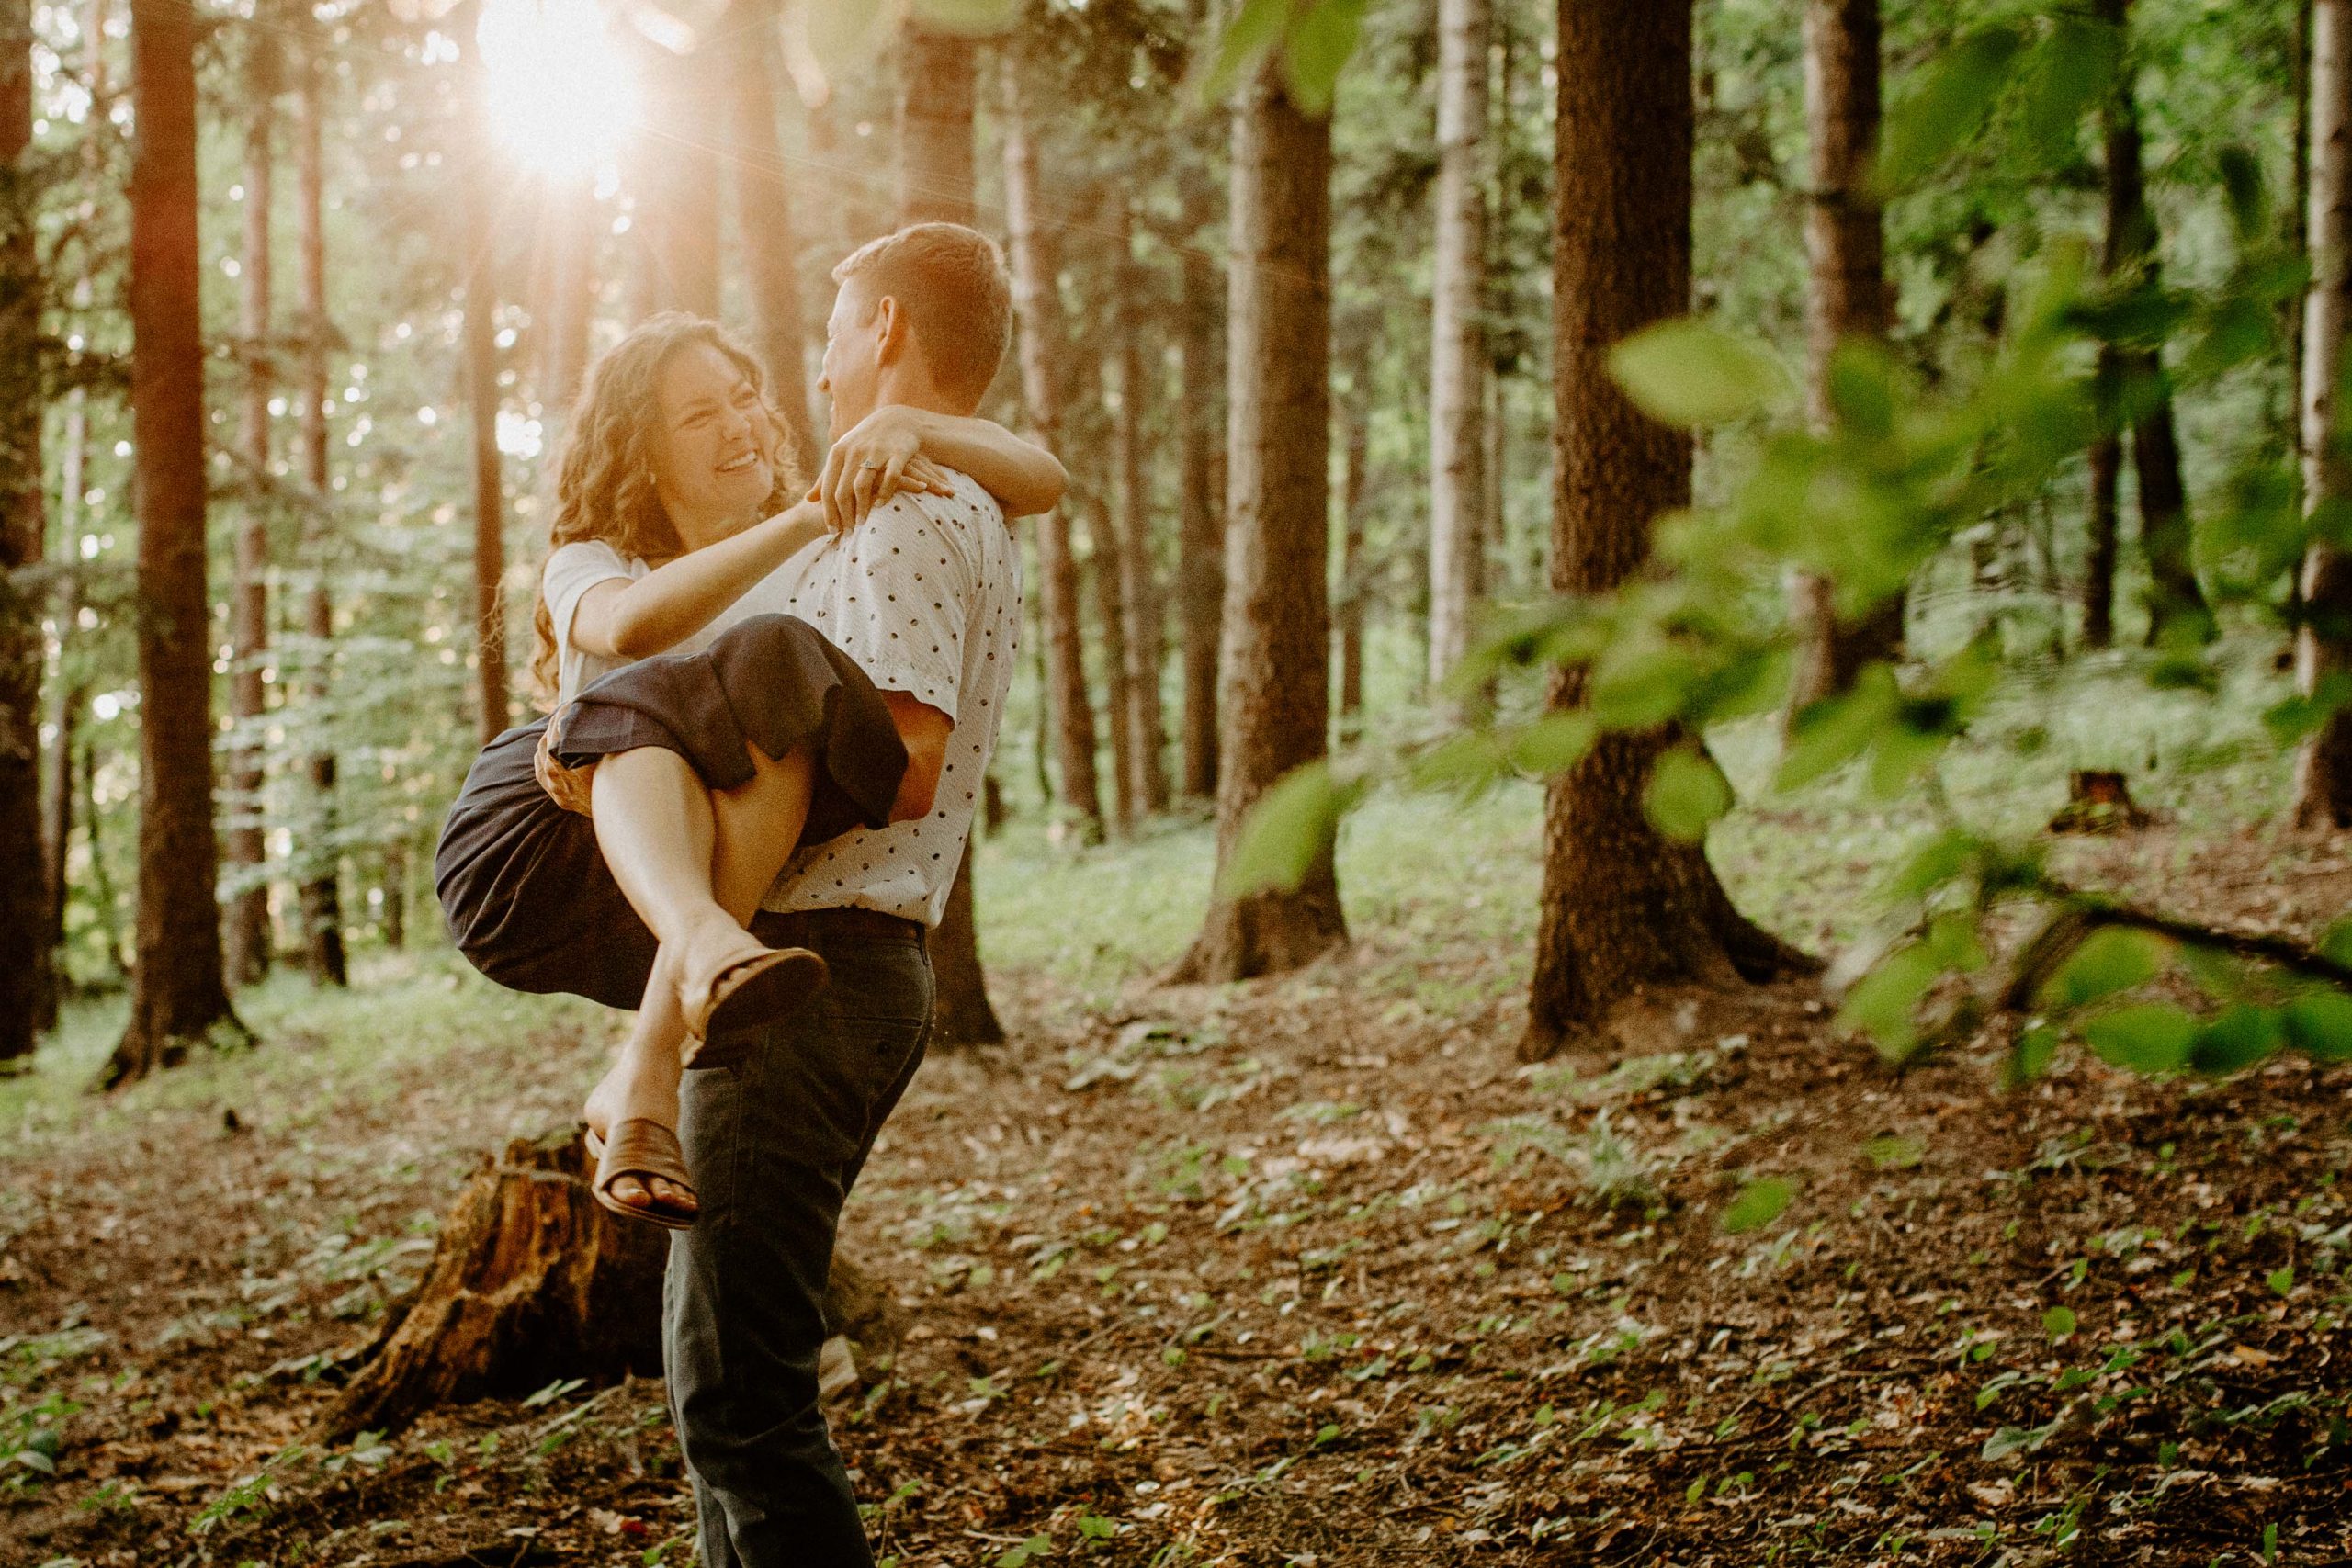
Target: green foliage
(1687,793)
(1757,1205)
(1688,372)
(1289,830)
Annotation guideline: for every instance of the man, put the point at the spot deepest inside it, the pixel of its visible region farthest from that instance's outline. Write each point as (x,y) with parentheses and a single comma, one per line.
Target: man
(926,595)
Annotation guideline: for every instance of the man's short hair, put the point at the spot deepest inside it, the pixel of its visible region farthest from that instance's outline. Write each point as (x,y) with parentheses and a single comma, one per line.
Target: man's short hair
(951,284)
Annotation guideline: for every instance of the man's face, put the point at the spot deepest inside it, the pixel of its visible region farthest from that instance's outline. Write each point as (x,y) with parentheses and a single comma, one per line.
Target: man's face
(852,372)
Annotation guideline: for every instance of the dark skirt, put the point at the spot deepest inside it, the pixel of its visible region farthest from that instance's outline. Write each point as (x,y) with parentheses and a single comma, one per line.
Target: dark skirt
(526,891)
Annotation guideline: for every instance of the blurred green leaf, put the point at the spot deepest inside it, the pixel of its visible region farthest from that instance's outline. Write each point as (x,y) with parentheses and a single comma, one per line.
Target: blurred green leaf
(1286,831)
(2336,943)
(2280,1281)
(2067,73)
(1758,1204)
(2112,959)
(1553,744)
(2246,192)
(1944,858)
(1883,1003)
(1691,372)
(2058,1322)
(2319,1025)
(1687,795)
(2031,1057)
(1256,27)
(2154,1038)
(1947,106)
(1319,46)
(2236,1040)
(1837,729)
(1895,1153)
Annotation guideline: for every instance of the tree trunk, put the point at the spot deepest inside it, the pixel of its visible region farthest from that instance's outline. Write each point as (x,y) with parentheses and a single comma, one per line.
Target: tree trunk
(2324,641)
(24,903)
(571,292)
(2098,559)
(679,156)
(531,1281)
(2176,607)
(322,895)
(1037,307)
(1846,247)
(961,1013)
(1118,693)
(934,111)
(763,219)
(1358,417)
(178,997)
(936,87)
(481,397)
(1459,361)
(395,876)
(247,933)
(1624,909)
(1274,664)
(1147,635)
(1200,541)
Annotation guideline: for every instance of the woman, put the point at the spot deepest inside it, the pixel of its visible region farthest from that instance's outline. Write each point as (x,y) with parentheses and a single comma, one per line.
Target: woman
(556,866)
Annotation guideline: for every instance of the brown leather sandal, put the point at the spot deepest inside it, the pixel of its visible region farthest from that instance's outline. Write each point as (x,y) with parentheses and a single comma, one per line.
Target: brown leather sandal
(645,1149)
(746,995)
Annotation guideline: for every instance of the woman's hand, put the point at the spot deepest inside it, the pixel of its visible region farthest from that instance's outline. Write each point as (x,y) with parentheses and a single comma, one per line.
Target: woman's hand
(879,458)
(568,788)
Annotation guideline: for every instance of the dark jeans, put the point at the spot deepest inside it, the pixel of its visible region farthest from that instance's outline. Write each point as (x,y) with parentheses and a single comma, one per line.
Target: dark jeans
(775,1145)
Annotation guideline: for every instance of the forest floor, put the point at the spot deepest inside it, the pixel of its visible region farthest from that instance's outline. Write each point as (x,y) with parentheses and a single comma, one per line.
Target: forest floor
(1299,1272)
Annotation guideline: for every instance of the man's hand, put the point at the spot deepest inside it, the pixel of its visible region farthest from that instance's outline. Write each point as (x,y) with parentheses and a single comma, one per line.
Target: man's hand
(879,458)
(568,788)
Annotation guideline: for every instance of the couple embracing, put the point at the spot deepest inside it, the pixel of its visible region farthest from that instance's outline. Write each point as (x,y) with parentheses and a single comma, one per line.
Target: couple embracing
(773,714)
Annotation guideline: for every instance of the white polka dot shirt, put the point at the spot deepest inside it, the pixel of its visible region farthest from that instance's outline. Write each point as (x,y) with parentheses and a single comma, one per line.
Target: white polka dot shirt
(926,595)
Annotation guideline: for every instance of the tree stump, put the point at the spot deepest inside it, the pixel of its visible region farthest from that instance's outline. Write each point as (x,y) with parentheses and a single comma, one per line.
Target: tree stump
(534,1281)
(2099,800)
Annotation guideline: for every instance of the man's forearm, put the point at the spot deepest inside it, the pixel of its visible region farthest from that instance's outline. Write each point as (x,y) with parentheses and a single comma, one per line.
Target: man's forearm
(1025,477)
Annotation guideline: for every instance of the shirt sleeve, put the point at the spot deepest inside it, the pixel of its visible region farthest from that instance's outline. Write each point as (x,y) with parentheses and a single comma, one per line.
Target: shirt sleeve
(572,570)
(900,603)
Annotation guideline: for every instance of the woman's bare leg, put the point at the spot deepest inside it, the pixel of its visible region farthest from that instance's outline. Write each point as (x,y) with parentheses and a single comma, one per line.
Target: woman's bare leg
(643,1082)
(744,837)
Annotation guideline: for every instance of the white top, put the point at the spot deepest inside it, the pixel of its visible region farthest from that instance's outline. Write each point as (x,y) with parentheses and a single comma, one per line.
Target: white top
(576,568)
(926,595)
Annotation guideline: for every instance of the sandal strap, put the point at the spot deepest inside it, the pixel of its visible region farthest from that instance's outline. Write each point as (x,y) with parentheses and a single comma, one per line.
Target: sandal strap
(643,1147)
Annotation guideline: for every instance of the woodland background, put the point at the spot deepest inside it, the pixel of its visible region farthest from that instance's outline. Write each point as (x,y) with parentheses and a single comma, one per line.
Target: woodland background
(1665,874)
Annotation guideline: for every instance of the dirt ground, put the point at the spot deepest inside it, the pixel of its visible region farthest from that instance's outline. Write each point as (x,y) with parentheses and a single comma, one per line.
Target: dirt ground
(1304,1273)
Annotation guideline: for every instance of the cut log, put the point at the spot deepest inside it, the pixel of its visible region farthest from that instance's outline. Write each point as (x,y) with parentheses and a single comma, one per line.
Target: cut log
(532,1282)
(2099,800)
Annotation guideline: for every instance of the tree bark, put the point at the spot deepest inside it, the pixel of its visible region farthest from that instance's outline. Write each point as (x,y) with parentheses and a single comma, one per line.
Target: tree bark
(69,694)
(1274,664)
(321,893)
(395,875)
(935,113)
(1624,911)
(24,903)
(2176,607)
(961,1013)
(1147,634)
(480,331)
(1118,694)
(680,157)
(1847,299)
(247,935)
(1200,540)
(2100,558)
(936,88)
(1350,610)
(2324,640)
(1460,363)
(178,995)
(1038,309)
(764,220)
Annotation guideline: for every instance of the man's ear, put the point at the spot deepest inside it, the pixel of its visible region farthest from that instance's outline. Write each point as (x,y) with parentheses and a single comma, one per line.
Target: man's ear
(889,331)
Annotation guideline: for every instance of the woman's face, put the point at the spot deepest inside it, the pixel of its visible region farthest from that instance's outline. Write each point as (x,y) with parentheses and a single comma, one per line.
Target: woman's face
(711,462)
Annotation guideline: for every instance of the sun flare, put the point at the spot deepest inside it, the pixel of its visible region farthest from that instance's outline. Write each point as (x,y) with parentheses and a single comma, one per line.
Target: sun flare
(559,95)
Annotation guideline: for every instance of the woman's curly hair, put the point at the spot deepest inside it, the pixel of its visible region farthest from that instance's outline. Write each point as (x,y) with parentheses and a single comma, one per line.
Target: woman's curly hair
(604,487)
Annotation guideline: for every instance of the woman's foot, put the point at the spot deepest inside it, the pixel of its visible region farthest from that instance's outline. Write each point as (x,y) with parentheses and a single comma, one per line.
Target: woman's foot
(631,1093)
(731,985)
